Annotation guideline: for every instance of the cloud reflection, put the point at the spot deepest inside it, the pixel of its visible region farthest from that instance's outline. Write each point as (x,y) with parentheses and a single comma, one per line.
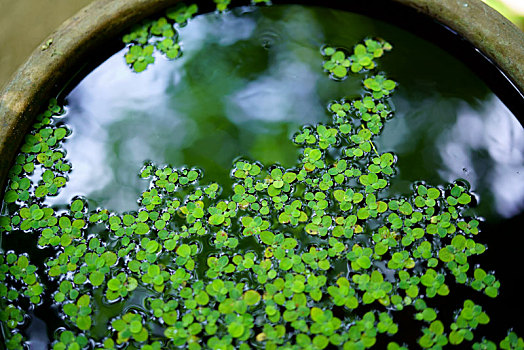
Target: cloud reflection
(494,135)
(288,89)
(103,99)
(274,97)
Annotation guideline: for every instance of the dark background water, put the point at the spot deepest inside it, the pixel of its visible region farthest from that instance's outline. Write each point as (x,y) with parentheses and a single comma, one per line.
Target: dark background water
(249,79)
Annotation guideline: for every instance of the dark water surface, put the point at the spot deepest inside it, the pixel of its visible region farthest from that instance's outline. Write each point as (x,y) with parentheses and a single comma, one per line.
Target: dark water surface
(250,78)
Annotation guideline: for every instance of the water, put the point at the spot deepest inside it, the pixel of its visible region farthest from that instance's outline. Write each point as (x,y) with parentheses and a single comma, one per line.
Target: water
(249,79)
(261,82)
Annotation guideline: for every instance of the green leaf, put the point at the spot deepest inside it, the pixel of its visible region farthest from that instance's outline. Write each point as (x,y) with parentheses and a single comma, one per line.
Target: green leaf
(114,284)
(235,329)
(216,219)
(77,205)
(64,222)
(339,71)
(10,196)
(446,255)
(184,250)
(202,298)
(317,314)
(96,278)
(251,297)
(141,228)
(83,322)
(267,237)
(364,262)
(60,133)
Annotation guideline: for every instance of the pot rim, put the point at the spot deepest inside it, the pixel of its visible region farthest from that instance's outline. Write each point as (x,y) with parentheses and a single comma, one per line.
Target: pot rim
(57,59)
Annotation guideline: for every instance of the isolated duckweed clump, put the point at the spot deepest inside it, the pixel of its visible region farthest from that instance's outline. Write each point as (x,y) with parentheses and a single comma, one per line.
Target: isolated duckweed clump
(308,257)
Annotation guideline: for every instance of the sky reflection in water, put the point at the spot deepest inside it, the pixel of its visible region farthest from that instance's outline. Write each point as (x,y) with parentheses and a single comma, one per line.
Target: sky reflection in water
(247,81)
(497,138)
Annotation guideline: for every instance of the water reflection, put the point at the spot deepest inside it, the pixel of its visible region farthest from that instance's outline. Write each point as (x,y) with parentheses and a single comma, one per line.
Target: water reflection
(37,333)
(486,148)
(195,111)
(275,98)
(443,139)
(100,112)
(248,79)
(289,80)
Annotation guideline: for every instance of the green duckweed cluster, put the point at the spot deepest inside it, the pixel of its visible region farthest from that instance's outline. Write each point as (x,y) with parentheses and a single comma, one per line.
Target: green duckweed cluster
(161,35)
(309,257)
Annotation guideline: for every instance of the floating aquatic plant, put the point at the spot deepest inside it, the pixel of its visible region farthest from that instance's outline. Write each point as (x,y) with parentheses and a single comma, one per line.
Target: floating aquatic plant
(160,34)
(311,256)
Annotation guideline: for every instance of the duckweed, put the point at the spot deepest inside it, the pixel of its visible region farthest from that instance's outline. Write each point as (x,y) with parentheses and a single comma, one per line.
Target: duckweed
(312,256)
